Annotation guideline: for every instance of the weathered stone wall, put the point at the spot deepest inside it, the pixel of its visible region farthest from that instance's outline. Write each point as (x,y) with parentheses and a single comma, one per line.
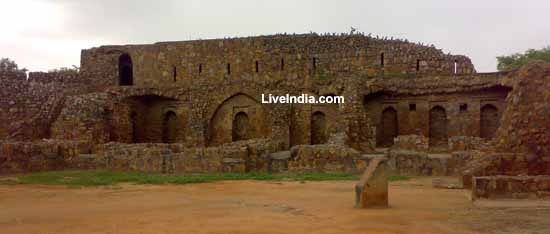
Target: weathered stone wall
(521,145)
(446,114)
(414,163)
(243,156)
(325,158)
(268,57)
(525,125)
(17,157)
(206,96)
(411,142)
(502,187)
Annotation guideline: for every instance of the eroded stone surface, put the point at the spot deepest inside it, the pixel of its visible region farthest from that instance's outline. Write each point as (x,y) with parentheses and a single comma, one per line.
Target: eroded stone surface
(372,189)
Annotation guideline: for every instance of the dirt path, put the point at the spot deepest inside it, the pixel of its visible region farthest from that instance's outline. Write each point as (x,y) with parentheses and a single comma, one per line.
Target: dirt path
(247,207)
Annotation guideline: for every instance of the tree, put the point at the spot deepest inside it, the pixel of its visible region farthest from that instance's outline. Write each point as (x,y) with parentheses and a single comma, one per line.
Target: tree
(8,65)
(514,61)
(74,69)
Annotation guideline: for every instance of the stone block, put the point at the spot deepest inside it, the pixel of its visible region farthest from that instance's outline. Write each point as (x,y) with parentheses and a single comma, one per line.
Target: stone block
(372,189)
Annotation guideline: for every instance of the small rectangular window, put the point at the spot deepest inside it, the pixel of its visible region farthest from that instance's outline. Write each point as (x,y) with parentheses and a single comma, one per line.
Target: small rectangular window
(418,65)
(175,73)
(282,64)
(257,67)
(229,69)
(382,59)
(463,108)
(412,107)
(200,68)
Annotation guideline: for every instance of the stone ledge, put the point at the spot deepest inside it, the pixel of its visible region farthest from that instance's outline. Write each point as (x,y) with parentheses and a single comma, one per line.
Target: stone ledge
(511,187)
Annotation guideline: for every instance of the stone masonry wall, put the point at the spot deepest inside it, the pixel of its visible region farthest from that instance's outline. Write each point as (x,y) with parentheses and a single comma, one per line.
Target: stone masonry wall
(18,157)
(278,56)
(506,187)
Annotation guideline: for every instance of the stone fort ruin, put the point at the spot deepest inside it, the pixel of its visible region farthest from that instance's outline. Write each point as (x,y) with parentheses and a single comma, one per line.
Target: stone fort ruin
(195,107)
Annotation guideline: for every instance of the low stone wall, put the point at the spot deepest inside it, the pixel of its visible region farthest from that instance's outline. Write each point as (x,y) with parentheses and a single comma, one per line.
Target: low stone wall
(498,163)
(462,143)
(237,157)
(415,163)
(329,158)
(516,187)
(18,157)
(411,142)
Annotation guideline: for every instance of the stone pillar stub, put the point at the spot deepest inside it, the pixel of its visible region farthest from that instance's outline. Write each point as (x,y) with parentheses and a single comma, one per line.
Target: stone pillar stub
(372,189)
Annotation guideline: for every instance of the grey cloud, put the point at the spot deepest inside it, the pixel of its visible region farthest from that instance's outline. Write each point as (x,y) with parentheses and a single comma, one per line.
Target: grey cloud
(479,29)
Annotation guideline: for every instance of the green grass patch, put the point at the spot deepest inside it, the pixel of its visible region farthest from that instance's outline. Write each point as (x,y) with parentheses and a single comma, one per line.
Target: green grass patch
(107,178)
(399,178)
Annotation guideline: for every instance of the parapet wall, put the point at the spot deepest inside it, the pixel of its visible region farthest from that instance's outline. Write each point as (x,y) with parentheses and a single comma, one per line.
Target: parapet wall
(269,57)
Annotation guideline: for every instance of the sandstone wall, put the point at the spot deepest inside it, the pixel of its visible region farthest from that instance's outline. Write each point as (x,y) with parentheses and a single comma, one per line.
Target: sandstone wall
(269,57)
(526,123)
(239,157)
(463,113)
(506,187)
(18,157)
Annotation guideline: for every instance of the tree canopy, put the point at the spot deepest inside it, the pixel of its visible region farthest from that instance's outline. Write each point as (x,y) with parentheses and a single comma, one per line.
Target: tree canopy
(8,65)
(514,61)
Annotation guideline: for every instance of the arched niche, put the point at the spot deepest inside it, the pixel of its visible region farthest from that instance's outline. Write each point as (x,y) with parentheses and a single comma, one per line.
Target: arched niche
(388,127)
(240,127)
(125,70)
(438,127)
(221,125)
(489,121)
(318,128)
(170,127)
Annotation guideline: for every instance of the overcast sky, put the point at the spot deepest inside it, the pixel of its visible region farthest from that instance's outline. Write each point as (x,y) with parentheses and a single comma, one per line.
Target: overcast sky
(47,34)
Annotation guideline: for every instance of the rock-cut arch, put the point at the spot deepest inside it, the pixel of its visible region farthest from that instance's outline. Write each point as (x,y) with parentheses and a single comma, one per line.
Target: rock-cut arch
(438,127)
(125,70)
(489,121)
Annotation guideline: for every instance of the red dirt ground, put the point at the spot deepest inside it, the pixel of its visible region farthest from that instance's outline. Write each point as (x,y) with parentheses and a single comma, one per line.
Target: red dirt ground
(255,207)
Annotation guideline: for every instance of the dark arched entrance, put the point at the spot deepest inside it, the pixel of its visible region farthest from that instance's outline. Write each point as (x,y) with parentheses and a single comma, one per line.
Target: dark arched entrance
(169,127)
(318,128)
(438,127)
(125,70)
(488,121)
(240,130)
(389,128)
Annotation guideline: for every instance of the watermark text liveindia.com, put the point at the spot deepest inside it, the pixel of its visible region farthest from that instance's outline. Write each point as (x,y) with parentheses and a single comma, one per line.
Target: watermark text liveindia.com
(301,99)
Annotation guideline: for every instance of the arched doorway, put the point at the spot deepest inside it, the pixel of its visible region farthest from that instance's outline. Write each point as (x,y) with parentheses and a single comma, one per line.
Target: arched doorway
(318,128)
(389,128)
(438,127)
(488,121)
(125,70)
(240,129)
(169,127)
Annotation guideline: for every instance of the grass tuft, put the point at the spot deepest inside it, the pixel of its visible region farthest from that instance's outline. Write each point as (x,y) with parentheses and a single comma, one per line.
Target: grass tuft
(107,178)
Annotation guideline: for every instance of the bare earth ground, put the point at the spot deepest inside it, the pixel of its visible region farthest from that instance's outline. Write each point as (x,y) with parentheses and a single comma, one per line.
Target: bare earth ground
(257,207)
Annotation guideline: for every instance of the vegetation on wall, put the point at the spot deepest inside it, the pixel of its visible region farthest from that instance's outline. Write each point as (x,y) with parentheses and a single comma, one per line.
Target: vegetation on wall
(8,65)
(66,70)
(514,61)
